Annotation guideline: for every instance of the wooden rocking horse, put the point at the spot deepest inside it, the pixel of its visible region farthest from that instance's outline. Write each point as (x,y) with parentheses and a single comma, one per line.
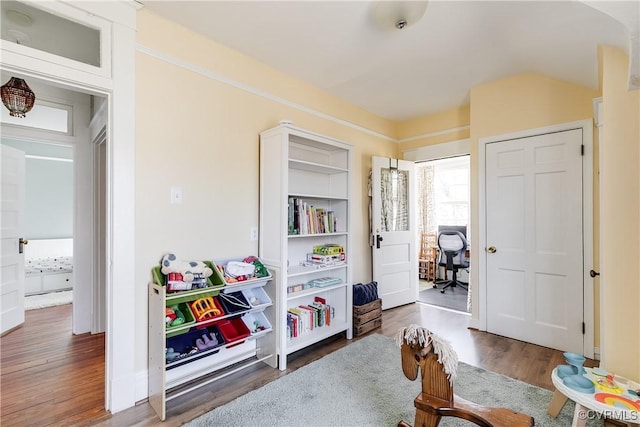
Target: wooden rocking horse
(438,363)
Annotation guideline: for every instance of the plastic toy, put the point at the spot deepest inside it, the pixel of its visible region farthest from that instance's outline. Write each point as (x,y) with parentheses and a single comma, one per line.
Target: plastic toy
(261,270)
(170,264)
(170,315)
(179,318)
(207,341)
(171,355)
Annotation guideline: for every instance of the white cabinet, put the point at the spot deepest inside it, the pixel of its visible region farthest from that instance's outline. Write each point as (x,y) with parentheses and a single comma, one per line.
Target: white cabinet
(305,201)
(169,379)
(47,282)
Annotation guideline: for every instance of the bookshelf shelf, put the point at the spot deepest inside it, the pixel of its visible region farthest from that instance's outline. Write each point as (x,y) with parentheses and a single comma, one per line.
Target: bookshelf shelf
(312,291)
(311,176)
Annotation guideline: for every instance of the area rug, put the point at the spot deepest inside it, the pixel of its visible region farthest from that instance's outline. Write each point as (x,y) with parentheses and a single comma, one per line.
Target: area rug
(362,384)
(50,299)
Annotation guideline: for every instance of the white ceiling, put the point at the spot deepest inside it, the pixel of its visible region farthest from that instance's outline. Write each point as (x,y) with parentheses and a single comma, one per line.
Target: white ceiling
(425,68)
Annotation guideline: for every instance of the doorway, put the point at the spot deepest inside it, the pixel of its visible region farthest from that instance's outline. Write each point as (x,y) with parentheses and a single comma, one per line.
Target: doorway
(443,204)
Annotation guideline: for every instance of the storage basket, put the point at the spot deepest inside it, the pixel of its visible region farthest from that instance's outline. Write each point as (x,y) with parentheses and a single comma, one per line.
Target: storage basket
(255,280)
(234,302)
(206,310)
(257,323)
(185,344)
(233,330)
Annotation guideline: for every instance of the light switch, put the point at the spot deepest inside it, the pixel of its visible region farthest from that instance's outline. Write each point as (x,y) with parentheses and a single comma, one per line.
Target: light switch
(176,195)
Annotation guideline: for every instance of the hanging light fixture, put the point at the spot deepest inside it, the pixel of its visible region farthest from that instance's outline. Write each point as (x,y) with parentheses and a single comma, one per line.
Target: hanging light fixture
(17,96)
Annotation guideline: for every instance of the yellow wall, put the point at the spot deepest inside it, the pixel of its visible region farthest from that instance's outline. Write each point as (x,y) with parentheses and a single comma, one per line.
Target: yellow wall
(194,131)
(620,217)
(429,129)
(200,134)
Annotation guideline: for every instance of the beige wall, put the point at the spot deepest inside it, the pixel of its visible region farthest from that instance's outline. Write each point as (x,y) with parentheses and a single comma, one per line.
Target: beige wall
(201,134)
(620,217)
(446,126)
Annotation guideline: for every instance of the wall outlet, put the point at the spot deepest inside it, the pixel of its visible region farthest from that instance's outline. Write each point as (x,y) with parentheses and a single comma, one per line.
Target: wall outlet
(254,233)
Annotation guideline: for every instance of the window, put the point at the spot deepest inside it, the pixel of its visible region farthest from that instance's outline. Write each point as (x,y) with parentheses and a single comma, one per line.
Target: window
(44,115)
(443,193)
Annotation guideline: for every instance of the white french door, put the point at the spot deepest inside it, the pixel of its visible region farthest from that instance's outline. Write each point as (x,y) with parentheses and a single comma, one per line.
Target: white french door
(534,239)
(394,253)
(12,256)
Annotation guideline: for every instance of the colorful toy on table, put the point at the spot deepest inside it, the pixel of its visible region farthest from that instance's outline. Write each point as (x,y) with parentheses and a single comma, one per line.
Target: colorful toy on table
(618,401)
(608,384)
(188,269)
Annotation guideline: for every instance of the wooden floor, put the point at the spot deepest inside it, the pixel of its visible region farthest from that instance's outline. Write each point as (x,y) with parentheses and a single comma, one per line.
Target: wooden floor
(50,377)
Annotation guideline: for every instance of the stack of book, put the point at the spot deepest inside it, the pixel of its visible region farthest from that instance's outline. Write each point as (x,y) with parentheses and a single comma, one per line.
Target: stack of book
(305,318)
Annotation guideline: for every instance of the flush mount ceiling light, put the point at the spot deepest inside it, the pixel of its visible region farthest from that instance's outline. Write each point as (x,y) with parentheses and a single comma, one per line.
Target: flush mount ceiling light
(17,96)
(398,14)
(18,17)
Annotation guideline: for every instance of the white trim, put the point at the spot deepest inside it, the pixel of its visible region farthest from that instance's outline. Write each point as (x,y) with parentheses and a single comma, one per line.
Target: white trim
(118,86)
(438,151)
(255,91)
(437,133)
(55,159)
(142,385)
(587,218)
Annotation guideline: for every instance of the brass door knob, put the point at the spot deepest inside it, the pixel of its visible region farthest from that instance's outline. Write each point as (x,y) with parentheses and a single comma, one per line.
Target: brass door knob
(491,249)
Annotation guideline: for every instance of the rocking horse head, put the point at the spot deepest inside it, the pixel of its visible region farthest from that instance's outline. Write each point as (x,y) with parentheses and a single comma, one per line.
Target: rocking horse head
(417,344)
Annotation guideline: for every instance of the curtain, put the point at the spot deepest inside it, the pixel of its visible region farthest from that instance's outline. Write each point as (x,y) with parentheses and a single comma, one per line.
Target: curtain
(426,200)
(395,198)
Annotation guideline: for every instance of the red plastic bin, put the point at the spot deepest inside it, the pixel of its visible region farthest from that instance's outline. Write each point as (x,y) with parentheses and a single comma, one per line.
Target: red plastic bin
(233,330)
(201,314)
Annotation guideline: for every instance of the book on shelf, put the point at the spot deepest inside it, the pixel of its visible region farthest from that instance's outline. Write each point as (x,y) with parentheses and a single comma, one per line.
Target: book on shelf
(307,317)
(304,218)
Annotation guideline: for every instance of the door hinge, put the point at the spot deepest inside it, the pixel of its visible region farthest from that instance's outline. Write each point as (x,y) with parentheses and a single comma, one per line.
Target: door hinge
(582,150)
(584,328)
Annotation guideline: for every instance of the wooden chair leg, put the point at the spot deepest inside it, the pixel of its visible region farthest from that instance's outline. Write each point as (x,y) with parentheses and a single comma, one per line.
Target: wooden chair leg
(426,419)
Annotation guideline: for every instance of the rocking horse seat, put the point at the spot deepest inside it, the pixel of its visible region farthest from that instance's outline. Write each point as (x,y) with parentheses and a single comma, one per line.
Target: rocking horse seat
(425,352)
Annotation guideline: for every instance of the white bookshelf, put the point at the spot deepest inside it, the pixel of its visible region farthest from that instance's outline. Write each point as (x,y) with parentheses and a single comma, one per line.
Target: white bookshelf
(317,170)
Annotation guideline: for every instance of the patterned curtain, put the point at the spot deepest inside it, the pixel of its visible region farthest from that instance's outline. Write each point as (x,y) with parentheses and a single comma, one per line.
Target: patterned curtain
(395,191)
(426,200)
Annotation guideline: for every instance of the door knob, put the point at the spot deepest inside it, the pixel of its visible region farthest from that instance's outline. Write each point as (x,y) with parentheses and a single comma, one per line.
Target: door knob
(593,273)
(378,240)
(491,249)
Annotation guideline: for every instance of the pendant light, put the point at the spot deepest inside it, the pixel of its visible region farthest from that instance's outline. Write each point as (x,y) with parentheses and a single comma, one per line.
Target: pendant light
(17,96)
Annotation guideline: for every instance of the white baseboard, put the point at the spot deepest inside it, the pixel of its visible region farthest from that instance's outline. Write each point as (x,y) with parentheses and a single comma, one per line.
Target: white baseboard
(596,353)
(474,323)
(142,385)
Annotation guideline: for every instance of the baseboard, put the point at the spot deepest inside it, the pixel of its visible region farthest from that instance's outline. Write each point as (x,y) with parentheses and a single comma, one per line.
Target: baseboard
(596,353)
(474,323)
(142,386)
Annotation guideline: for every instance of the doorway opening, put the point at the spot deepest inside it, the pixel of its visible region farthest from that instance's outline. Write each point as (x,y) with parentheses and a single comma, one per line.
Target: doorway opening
(443,204)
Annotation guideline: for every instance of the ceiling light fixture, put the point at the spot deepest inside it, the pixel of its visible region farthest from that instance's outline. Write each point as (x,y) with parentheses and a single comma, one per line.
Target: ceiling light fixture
(17,96)
(398,14)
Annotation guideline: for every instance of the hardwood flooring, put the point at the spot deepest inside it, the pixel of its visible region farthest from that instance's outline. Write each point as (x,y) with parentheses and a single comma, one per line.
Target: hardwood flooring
(50,377)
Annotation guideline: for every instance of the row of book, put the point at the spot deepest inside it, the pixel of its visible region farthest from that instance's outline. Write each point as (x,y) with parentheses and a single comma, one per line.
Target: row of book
(305,318)
(307,219)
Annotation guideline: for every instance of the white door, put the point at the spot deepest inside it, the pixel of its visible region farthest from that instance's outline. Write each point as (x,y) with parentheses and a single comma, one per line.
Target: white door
(395,258)
(534,239)
(11,256)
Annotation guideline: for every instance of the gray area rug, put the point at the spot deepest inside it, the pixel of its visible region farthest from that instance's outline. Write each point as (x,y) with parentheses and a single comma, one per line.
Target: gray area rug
(362,384)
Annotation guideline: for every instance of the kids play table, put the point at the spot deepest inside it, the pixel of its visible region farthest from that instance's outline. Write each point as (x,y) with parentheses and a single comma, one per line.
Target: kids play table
(618,404)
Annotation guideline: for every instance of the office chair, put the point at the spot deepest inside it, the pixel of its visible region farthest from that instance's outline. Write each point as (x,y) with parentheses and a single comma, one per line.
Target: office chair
(453,247)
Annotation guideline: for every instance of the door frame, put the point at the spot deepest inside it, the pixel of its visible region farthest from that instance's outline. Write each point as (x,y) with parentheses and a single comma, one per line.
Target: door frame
(587,222)
(116,82)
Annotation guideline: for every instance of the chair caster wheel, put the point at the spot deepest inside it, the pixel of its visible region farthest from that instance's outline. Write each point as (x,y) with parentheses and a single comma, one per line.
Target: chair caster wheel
(442,291)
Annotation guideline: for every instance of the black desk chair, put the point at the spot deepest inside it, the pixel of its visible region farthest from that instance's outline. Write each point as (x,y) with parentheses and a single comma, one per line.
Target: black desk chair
(453,247)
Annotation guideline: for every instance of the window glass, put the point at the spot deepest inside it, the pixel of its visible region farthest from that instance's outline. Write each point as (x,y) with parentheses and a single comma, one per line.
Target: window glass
(41,116)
